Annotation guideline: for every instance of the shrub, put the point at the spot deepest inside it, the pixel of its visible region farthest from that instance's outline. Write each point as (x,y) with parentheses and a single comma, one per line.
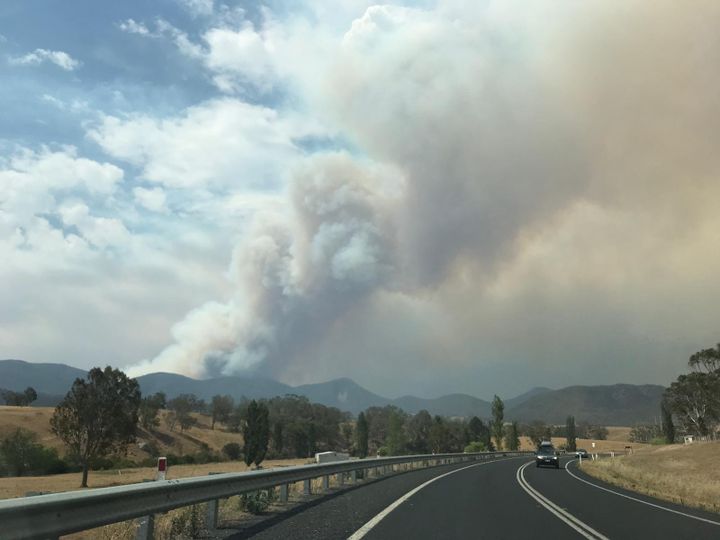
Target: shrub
(475,446)
(383,451)
(256,502)
(21,453)
(187,523)
(232,450)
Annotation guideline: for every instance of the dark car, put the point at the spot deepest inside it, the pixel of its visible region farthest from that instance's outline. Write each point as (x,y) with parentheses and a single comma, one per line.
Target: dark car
(546,455)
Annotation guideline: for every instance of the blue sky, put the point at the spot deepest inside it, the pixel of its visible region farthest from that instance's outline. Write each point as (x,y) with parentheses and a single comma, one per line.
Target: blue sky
(426,196)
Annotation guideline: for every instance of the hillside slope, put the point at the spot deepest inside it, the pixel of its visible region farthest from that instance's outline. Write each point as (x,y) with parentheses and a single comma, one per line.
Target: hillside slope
(618,404)
(37,420)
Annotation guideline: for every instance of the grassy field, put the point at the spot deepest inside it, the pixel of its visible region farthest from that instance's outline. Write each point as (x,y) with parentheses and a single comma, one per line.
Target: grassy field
(684,474)
(618,439)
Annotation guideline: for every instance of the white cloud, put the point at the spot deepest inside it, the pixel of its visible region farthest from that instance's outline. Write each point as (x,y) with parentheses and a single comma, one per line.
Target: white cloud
(221,143)
(198,7)
(39,56)
(100,231)
(133,27)
(241,57)
(153,199)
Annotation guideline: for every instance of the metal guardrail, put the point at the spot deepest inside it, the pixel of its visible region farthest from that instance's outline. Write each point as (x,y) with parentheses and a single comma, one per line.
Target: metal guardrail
(49,516)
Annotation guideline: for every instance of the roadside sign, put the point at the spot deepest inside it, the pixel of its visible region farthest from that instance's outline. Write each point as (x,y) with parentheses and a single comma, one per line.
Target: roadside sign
(593,445)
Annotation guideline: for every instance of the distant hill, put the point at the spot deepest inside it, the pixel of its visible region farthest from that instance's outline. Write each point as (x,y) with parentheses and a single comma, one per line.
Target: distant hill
(55,379)
(522,398)
(345,394)
(449,405)
(620,404)
(615,405)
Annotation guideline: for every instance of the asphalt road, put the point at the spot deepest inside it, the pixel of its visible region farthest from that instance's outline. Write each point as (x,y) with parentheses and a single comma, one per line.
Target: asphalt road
(498,499)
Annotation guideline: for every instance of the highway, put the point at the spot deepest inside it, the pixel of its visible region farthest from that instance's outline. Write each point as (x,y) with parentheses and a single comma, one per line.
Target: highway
(504,498)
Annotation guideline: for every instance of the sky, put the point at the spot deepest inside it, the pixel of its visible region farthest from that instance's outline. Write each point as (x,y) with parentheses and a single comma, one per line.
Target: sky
(426,197)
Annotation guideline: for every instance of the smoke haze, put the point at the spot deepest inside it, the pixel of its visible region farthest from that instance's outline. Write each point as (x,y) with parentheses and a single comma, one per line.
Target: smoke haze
(528,195)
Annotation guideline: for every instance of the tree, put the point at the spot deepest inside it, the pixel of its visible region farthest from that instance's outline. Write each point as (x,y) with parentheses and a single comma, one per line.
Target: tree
(396,440)
(706,361)
(98,416)
(570,434)
(221,407)
(256,432)
(361,436)
(19,399)
(512,437)
(498,413)
(695,398)
(439,436)
(668,428)
(149,409)
(277,438)
(183,405)
(598,432)
(418,431)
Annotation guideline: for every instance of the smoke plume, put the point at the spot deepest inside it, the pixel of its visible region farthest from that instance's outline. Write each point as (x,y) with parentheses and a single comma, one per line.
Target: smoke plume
(509,162)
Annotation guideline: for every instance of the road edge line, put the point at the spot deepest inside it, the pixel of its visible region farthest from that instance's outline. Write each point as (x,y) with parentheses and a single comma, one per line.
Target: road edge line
(658,506)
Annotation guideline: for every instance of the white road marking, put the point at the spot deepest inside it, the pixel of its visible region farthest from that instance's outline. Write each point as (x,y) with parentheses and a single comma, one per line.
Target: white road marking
(659,507)
(362,531)
(581,527)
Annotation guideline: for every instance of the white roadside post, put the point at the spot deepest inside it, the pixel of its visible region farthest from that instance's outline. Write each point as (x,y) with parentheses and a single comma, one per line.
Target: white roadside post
(161,468)
(146,530)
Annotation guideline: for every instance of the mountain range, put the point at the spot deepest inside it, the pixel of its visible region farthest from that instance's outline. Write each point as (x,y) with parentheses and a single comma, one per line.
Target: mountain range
(619,404)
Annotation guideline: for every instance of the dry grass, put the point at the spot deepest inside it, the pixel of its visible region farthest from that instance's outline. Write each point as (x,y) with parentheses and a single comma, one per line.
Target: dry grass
(687,475)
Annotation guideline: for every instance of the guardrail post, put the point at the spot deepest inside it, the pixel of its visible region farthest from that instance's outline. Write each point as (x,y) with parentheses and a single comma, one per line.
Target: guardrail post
(211,517)
(283,493)
(353,476)
(146,529)
(326,483)
(341,478)
(307,486)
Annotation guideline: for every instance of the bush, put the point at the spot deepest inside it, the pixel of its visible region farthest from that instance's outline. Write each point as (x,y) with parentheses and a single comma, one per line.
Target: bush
(256,502)
(187,523)
(232,450)
(475,446)
(383,451)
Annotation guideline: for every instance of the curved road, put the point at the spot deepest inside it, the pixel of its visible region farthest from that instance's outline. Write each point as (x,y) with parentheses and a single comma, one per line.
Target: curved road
(505,498)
